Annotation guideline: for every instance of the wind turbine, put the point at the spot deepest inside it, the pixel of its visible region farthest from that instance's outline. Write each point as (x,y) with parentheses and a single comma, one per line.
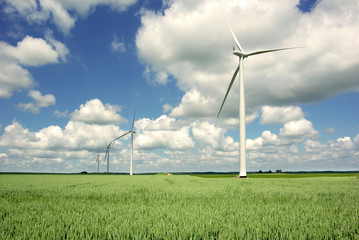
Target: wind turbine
(242,111)
(132,132)
(98,163)
(107,155)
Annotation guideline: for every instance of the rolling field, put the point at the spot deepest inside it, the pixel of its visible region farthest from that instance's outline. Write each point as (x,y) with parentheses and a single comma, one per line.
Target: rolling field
(177,207)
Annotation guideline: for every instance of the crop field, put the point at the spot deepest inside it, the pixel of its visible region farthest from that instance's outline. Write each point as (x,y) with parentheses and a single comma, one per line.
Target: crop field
(280,175)
(177,207)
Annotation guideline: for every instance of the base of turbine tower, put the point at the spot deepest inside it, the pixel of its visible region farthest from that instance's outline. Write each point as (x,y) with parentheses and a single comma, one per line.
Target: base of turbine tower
(238,176)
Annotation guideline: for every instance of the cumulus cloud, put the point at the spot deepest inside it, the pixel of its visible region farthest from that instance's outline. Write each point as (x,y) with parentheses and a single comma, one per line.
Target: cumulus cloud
(193,104)
(60,48)
(94,112)
(207,134)
(39,101)
(13,77)
(313,146)
(62,13)
(164,132)
(70,148)
(191,42)
(178,146)
(298,129)
(60,16)
(156,78)
(356,141)
(28,52)
(31,52)
(76,136)
(276,115)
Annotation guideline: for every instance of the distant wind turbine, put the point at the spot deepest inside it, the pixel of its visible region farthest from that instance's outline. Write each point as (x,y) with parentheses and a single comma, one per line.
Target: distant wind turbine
(132,132)
(98,163)
(107,155)
(242,112)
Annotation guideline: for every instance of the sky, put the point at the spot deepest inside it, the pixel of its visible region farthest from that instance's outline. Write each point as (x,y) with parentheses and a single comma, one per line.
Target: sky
(72,74)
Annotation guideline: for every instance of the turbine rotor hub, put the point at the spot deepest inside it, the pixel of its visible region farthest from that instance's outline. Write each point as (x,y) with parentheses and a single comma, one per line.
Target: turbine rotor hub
(239,54)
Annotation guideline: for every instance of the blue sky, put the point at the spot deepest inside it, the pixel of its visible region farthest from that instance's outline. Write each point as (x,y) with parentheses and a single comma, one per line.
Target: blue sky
(72,74)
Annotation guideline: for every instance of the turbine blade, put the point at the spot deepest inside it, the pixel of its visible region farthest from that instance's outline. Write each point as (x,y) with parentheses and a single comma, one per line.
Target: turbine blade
(234,36)
(235,39)
(270,50)
(121,136)
(229,88)
(133,121)
(106,154)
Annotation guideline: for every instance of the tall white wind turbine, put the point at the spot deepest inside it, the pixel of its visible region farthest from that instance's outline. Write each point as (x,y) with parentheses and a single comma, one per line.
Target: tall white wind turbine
(107,155)
(242,111)
(132,132)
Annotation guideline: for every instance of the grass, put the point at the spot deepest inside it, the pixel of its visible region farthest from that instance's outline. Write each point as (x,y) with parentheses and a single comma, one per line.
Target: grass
(177,207)
(280,175)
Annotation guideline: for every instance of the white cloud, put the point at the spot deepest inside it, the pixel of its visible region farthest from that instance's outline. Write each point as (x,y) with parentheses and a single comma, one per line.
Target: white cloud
(267,139)
(27,9)
(118,46)
(276,115)
(166,108)
(155,78)
(298,129)
(313,146)
(164,132)
(13,77)
(76,136)
(87,6)
(178,145)
(60,48)
(60,16)
(59,11)
(191,42)
(356,141)
(29,52)
(94,112)
(59,114)
(329,130)
(193,104)
(35,51)
(207,134)
(39,101)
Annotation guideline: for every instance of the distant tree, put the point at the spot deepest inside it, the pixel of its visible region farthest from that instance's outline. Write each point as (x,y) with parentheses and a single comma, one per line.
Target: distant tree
(260,171)
(270,171)
(83,172)
(278,171)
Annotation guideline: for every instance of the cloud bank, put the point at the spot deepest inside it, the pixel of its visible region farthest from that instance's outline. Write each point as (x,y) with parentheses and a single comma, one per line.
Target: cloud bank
(191,42)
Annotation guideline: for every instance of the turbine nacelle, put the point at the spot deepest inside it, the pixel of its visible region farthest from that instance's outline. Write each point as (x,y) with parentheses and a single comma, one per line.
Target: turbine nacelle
(239,53)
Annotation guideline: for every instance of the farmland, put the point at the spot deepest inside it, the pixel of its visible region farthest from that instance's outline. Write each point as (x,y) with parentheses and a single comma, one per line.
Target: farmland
(185,207)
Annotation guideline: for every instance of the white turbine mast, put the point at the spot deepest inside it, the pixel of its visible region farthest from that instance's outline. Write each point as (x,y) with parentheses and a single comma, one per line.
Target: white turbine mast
(132,133)
(98,163)
(242,112)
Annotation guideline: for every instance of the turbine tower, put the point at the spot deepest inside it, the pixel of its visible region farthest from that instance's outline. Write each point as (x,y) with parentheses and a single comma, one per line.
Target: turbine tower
(242,111)
(107,155)
(132,132)
(98,163)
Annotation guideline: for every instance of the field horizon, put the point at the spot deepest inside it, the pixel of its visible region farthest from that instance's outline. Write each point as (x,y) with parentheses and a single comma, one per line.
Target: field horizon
(234,173)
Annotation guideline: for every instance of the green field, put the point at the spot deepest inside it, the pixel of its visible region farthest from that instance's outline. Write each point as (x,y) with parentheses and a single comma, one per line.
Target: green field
(177,207)
(280,175)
